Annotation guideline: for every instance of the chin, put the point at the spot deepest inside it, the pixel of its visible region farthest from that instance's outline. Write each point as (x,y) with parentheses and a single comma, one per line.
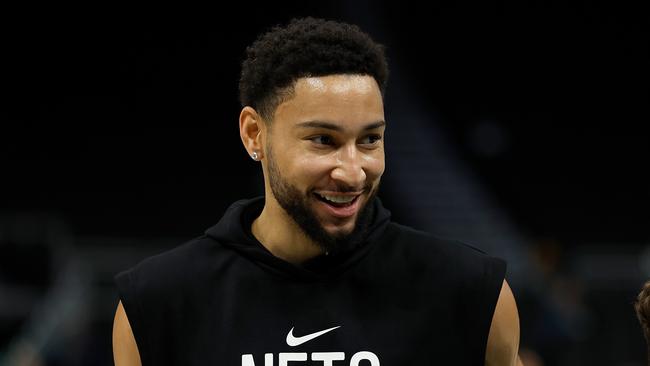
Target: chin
(340,230)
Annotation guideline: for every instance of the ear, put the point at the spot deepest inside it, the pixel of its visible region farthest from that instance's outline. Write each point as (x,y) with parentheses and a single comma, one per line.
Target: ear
(251,127)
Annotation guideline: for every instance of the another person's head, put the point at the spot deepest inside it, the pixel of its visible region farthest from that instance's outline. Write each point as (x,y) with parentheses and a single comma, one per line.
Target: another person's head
(642,307)
(313,114)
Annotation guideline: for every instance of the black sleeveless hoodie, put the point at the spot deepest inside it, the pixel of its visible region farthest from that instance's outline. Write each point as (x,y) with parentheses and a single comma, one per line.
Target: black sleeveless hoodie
(397,297)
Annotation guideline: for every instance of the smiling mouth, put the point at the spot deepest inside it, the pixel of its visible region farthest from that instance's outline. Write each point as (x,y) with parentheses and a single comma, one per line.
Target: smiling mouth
(337,201)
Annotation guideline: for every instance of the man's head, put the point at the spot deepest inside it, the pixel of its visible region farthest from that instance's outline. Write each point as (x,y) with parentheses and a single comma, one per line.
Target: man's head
(312,96)
(305,47)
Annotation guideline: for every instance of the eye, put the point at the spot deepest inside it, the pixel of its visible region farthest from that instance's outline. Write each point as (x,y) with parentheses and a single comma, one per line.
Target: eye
(322,140)
(371,139)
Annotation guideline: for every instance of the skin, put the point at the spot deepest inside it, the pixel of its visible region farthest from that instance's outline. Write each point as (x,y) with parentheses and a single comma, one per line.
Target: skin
(327,138)
(345,155)
(125,349)
(503,340)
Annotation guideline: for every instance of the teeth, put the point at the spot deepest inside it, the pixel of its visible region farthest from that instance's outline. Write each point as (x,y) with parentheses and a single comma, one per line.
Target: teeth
(339,199)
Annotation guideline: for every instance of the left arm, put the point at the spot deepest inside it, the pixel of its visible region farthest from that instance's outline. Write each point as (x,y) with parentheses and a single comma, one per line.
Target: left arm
(503,339)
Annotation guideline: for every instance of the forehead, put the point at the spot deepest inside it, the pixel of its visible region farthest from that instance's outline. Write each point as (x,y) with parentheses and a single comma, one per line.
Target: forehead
(337,84)
(334,98)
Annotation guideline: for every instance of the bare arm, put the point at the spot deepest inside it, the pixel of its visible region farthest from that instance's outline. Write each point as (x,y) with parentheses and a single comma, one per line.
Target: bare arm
(125,350)
(503,340)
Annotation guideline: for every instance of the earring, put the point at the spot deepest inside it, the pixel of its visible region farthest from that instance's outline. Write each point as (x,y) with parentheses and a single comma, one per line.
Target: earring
(255,156)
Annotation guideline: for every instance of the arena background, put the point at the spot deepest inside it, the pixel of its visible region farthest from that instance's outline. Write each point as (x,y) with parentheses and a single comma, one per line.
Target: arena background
(521,128)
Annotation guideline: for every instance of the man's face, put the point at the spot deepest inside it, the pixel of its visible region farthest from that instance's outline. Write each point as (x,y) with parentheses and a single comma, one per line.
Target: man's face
(325,155)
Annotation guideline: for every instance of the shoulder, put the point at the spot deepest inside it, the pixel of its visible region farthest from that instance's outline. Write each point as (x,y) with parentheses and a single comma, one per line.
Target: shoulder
(172,269)
(155,287)
(409,239)
(469,269)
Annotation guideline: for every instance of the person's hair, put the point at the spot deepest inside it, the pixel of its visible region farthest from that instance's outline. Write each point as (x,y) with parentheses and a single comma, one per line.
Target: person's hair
(642,307)
(306,47)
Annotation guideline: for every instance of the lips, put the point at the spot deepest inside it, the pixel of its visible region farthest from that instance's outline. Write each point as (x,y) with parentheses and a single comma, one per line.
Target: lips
(337,200)
(338,207)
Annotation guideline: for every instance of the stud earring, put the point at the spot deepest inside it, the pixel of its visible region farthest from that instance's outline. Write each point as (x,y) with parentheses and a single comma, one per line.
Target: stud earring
(255,156)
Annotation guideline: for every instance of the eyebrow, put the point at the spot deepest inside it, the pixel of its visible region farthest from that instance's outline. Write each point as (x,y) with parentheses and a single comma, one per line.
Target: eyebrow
(335,127)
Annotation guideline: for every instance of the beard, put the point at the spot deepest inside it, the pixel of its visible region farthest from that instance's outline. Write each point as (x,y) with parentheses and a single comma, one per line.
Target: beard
(298,207)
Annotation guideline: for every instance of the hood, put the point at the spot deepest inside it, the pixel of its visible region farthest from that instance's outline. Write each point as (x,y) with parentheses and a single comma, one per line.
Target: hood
(234,231)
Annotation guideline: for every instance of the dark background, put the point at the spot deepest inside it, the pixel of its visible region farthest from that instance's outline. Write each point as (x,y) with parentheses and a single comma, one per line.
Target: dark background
(127,128)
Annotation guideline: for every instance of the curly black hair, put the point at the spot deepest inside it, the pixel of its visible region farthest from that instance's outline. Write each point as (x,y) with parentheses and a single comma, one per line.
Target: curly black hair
(306,47)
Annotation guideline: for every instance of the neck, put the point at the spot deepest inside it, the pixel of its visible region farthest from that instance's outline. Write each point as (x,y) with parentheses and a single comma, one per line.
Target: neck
(281,236)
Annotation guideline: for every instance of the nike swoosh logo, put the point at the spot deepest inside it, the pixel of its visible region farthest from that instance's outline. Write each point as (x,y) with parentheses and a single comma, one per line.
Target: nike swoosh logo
(297,341)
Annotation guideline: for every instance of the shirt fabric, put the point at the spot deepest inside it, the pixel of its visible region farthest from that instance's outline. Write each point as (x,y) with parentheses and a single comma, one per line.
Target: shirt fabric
(396,296)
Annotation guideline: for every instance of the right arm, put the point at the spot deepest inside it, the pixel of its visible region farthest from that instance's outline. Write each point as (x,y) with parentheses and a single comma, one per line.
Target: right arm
(125,349)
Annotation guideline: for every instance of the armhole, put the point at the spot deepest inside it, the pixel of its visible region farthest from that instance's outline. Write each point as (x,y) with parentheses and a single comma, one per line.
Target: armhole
(493,276)
(128,294)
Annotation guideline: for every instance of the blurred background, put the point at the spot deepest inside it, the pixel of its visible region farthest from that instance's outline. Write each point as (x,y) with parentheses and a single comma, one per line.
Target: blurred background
(520,128)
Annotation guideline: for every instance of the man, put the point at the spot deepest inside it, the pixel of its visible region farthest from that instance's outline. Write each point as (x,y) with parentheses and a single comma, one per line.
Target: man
(314,272)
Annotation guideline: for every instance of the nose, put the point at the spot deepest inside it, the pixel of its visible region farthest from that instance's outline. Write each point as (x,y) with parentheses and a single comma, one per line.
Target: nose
(349,170)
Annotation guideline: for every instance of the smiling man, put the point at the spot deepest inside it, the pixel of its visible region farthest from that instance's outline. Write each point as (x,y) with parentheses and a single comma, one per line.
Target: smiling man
(322,164)
(315,272)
